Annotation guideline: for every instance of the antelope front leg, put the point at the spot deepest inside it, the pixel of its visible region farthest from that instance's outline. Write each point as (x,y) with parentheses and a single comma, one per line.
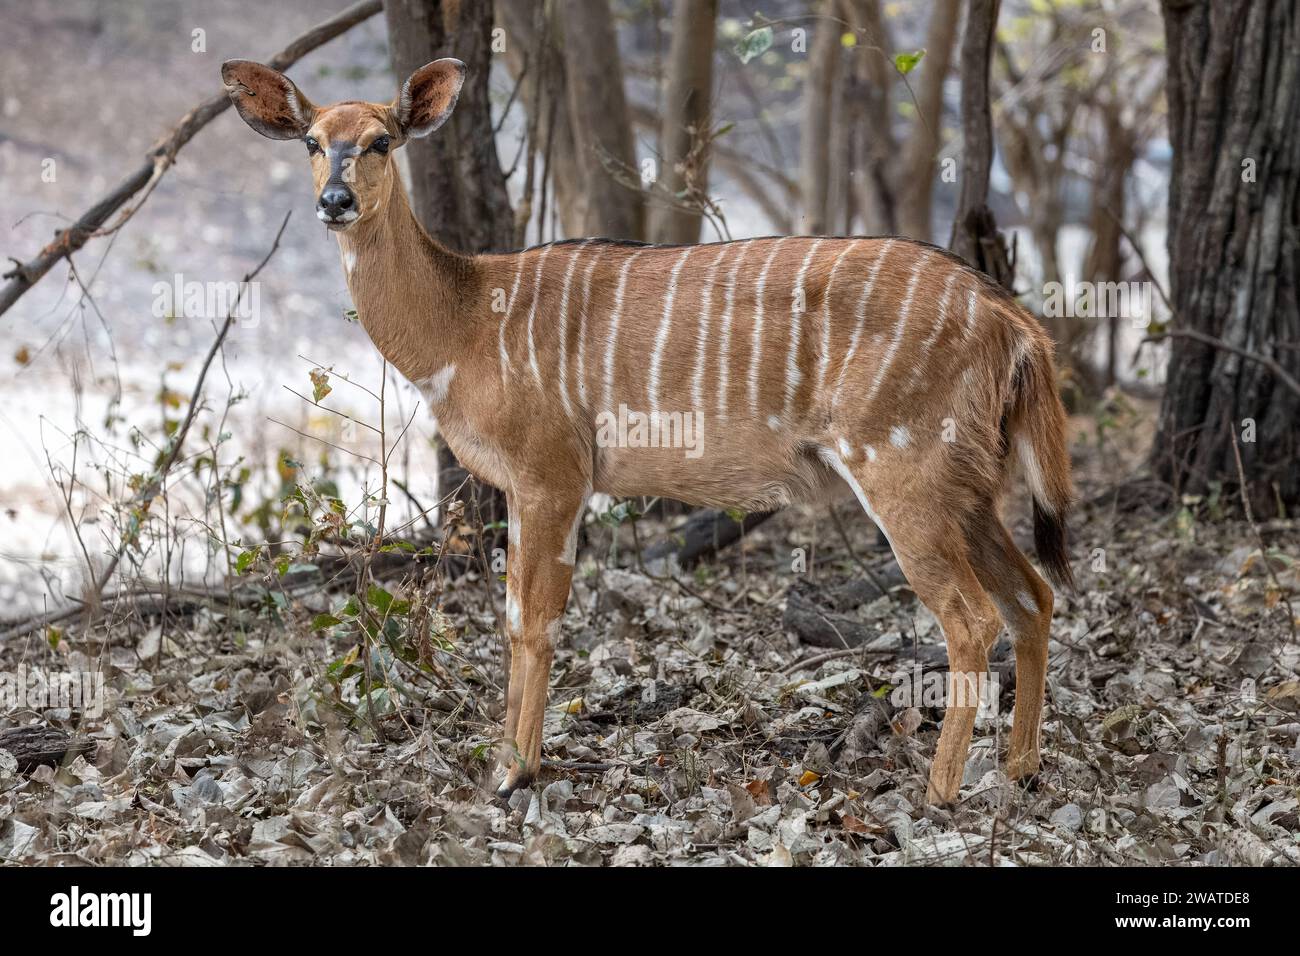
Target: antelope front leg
(537,588)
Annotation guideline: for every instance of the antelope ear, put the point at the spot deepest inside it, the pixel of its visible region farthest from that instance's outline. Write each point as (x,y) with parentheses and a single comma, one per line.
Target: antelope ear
(428,97)
(267,100)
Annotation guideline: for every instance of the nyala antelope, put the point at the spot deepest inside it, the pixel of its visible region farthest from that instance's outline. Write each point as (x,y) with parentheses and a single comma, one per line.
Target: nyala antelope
(813,363)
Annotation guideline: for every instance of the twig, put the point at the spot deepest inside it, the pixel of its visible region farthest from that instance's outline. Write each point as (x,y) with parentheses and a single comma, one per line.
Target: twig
(160,158)
(151,490)
(1259,537)
(1283,376)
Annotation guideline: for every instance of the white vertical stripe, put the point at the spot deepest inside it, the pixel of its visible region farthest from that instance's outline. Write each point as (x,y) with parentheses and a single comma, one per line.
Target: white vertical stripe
(510,304)
(582,329)
(899,327)
(860,313)
(532,314)
(940,320)
(798,305)
(564,331)
(724,349)
(824,361)
(756,351)
(613,328)
(970,313)
(702,332)
(665,326)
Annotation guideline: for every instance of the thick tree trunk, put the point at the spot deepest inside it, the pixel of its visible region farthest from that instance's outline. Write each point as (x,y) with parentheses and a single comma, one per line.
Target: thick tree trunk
(458,190)
(530,61)
(974,233)
(1105,259)
(917,172)
(602,129)
(867,108)
(818,107)
(687,118)
(1234,246)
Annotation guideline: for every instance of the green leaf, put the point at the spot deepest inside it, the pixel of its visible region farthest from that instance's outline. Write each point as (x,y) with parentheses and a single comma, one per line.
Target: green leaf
(378,598)
(754,43)
(321,621)
(246,559)
(905,63)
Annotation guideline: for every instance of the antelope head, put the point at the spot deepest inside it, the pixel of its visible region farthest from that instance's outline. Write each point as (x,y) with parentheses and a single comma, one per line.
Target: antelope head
(350,144)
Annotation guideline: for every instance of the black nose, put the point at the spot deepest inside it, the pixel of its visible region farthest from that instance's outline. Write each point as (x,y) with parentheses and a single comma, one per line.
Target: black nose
(335,201)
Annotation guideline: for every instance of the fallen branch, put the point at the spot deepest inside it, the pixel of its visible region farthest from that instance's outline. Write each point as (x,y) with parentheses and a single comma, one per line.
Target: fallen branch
(1272,364)
(159,159)
(36,746)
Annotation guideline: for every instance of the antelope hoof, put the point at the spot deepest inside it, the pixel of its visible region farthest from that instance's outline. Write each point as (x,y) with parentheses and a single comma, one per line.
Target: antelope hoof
(516,778)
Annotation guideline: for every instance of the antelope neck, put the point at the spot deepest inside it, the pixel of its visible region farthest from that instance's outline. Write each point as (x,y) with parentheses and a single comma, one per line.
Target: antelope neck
(414,297)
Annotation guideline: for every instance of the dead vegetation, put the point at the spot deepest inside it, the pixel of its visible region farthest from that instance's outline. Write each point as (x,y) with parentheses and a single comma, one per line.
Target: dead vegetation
(689,723)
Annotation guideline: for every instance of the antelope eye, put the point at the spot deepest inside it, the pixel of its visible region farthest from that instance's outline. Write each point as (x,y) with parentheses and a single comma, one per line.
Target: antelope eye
(313,147)
(380,145)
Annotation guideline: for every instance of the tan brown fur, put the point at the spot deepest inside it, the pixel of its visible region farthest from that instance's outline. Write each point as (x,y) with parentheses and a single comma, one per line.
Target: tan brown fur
(895,344)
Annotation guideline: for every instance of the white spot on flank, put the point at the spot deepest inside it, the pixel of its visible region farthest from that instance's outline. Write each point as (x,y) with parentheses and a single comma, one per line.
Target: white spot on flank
(532,314)
(436,386)
(702,332)
(846,450)
(797,306)
(619,292)
(899,328)
(665,327)
(774,422)
(756,351)
(564,331)
(899,436)
(871,452)
(860,315)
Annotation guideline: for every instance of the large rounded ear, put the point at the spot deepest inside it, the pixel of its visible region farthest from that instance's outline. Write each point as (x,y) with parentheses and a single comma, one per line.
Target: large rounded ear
(428,97)
(267,100)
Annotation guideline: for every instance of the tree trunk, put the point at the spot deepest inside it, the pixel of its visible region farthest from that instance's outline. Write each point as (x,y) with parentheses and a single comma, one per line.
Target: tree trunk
(602,129)
(687,118)
(916,173)
(818,106)
(1104,261)
(528,62)
(867,104)
(974,232)
(1234,246)
(458,191)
